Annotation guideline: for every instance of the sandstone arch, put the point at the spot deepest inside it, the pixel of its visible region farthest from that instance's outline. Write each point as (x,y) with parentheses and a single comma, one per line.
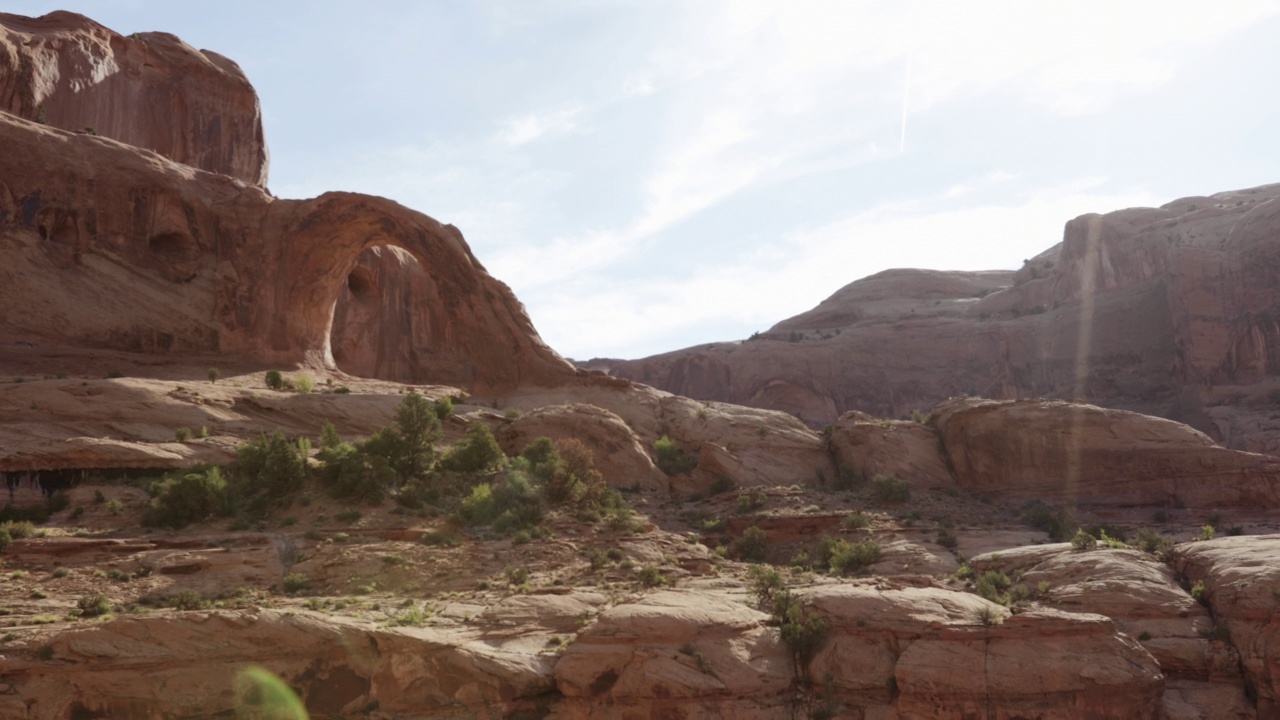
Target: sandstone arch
(465,327)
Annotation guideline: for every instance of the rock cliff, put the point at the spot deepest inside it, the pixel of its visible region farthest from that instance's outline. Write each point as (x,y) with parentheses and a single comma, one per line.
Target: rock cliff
(149,89)
(1168,311)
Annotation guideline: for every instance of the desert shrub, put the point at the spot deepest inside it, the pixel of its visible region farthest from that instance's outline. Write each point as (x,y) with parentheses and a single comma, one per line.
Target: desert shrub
(947,539)
(1206,533)
(990,615)
(214,375)
(444,407)
(890,491)
(114,506)
(802,631)
(856,520)
(5,539)
(1199,593)
(570,477)
(190,497)
(274,380)
(517,502)
(650,576)
(1109,541)
(303,384)
(182,434)
(19,529)
(479,508)
(269,466)
(753,544)
(1058,522)
(479,452)
(670,458)
(189,600)
(352,473)
(1083,541)
(93,605)
(295,583)
(992,585)
(851,557)
(750,502)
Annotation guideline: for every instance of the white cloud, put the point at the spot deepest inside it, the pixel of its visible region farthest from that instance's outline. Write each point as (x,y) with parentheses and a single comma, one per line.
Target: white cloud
(528,128)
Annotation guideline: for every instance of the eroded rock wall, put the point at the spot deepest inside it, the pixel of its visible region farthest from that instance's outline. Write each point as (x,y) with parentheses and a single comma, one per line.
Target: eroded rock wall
(149,89)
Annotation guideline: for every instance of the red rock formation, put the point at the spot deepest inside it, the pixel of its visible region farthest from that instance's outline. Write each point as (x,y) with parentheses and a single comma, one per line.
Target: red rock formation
(109,246)
(1241,577)
(149,89)
(1169,311)
(1092,456)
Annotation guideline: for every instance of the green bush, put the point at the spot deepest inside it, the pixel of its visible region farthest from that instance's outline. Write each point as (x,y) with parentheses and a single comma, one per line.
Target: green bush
(890,491)
(753,544)
(478,453)
(5,539)
(274,380)
(214,374)
(801,631)
(271,466)
(182,434)
(992,585)
(303,384)
(444,407)
(846,556)
(1153,543)
(1083,541)
(295,583)
(479,508)
(188,498)
(847,479)
(671,459)
(856,520)
(93,605)
(650,576)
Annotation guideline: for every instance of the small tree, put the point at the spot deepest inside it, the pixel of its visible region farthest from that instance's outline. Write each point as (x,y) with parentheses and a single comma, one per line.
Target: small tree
(214,375)
(274,380)
(478,453)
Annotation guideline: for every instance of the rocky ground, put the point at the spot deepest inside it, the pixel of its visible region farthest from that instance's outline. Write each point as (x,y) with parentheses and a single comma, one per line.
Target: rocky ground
(366,613)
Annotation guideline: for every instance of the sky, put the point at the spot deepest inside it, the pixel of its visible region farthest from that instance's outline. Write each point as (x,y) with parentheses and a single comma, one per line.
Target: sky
(648,175)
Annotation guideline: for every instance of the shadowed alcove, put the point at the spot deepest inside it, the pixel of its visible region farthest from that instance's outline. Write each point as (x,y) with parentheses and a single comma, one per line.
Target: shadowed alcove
(376,331)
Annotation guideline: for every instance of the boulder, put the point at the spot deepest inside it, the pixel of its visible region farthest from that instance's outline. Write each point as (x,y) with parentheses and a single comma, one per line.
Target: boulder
(1082,454)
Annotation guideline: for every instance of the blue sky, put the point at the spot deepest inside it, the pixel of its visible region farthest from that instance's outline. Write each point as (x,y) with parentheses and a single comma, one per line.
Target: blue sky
(651,175)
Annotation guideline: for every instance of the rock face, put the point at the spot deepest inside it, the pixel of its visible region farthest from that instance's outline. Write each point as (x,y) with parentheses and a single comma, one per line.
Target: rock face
(1092,456)
(1169,311)
(1241,577)
(150,90)
(1071,453)
(187,666)
(108,246)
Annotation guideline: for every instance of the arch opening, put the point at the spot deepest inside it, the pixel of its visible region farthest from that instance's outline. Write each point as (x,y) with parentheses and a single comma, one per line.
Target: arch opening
(176,255)
(379,326)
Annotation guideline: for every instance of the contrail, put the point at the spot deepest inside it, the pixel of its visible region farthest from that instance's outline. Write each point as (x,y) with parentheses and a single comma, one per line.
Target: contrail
(906,95)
